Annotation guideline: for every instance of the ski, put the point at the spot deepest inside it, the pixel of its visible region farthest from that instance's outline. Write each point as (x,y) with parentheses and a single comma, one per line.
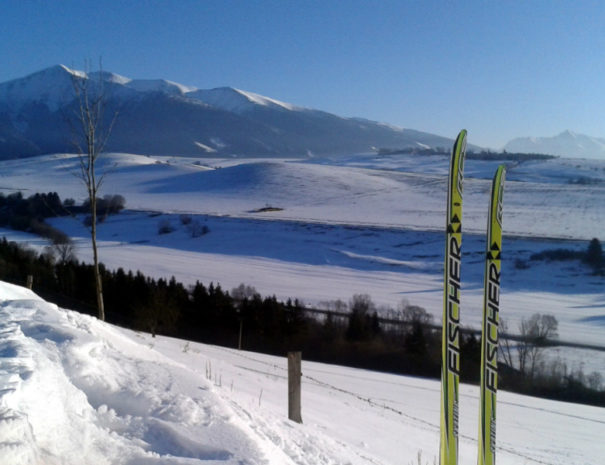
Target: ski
(450,350)
(489,330)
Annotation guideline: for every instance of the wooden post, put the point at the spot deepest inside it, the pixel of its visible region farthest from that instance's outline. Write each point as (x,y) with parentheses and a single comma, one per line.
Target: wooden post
(294,383)
(30,281)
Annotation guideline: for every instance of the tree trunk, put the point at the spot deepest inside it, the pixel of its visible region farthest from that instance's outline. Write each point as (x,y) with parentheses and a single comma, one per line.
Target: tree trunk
(98,281)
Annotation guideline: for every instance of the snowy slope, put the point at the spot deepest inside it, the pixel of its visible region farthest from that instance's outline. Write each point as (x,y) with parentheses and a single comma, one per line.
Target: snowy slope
(158,85)
(237,101)
(316,263)
(553,198)
(52,87)
(74,390)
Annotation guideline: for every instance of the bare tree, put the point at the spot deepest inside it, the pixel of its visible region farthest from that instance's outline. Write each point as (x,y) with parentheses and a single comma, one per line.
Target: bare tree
(242,292)
(63,251)
(535,332)
(414,315)
(91,135)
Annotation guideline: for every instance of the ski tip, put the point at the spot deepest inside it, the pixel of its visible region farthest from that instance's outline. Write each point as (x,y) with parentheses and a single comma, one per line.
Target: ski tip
(462,133)
(460,143)
(500,173)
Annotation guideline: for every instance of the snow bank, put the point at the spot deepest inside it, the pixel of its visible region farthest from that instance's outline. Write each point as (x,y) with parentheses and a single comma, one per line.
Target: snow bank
(74,390)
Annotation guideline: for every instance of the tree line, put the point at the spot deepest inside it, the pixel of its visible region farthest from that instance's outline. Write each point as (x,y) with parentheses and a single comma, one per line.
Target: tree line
(592,256)
(470,154)
(29,214)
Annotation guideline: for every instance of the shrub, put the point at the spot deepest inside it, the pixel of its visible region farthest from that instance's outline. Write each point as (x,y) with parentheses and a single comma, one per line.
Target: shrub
(185,219)
(557,254)
(197,229)
(165,227)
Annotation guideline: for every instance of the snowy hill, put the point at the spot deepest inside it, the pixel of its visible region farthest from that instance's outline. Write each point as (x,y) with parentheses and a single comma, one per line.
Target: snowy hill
(164,117)
(566,144)
(558,198)
(75,390)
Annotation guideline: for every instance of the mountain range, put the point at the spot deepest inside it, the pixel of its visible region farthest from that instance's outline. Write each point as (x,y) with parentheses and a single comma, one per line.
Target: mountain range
(37,114)
(157,116)
(566,144)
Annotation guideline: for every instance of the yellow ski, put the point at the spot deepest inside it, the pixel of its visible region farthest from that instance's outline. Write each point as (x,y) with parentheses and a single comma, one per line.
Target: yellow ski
(489,331)
(450,351)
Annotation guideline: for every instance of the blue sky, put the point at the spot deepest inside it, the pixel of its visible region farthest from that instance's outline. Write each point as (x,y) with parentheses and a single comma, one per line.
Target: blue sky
(500,69)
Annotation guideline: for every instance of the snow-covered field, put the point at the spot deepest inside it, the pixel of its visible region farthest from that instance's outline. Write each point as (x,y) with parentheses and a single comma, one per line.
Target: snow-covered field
(346,225)
(542,199)
(74,390)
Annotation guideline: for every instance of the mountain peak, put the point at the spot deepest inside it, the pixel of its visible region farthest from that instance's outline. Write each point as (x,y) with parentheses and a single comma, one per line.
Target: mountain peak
(568,134)
(567,144)
(52,86)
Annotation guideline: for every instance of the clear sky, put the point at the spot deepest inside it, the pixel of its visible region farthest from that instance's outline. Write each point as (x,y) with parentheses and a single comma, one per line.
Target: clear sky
(500,69)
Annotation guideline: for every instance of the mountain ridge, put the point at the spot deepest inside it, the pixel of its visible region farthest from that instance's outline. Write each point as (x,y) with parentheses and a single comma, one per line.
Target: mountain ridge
(157,116)
(567,144)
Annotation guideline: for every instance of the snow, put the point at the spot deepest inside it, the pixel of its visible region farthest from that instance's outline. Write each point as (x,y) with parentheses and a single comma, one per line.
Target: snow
(72,387)
(567,144)
(159,85)
(347,225)
(236,100)
(52,86)
(542,199)
(108,76)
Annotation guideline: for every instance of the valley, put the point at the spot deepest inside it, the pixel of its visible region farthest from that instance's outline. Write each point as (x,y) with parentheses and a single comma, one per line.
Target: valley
(326,229)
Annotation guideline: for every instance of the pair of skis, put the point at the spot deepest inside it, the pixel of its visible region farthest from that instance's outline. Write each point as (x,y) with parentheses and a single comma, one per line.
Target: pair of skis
(450,365)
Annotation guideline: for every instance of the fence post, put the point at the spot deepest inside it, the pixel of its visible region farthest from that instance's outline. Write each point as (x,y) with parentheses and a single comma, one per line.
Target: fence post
(30,281)
(294,386)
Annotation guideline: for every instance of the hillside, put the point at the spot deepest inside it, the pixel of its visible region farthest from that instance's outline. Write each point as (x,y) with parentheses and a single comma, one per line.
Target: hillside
(556,198)
(73,388)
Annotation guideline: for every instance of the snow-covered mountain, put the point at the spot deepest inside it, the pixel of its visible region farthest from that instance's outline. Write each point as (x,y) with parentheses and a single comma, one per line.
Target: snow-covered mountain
(164,117)
(566,144)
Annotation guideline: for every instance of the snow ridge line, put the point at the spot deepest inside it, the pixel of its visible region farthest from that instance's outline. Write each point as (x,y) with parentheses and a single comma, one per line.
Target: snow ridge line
(373,403)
